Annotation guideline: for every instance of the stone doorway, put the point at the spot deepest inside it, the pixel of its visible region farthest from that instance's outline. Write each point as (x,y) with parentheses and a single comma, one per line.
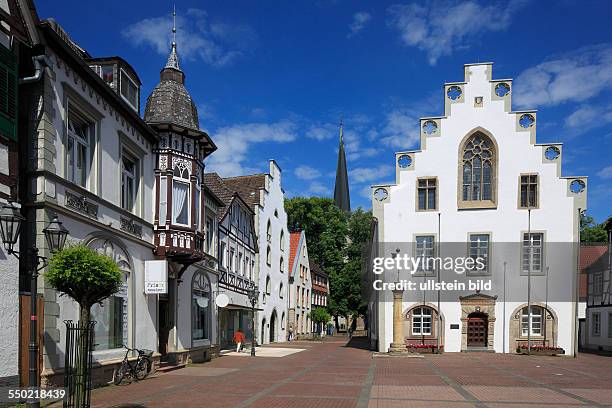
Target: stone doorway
(477,321)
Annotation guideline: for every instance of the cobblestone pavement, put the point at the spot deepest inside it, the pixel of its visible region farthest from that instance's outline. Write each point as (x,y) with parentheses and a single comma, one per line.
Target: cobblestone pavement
(334,375)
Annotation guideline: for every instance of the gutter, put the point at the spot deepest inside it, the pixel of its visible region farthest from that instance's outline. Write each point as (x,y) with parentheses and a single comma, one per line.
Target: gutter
(40,63)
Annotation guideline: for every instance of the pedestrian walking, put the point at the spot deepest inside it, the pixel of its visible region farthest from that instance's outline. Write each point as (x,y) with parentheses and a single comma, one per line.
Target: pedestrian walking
(239,340)
(290,333)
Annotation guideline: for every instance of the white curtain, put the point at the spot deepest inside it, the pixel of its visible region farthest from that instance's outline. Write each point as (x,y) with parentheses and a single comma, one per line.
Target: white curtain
(179,194)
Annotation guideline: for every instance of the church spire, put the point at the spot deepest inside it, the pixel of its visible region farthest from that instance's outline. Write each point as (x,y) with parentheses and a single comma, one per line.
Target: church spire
(173,61)
(341,189)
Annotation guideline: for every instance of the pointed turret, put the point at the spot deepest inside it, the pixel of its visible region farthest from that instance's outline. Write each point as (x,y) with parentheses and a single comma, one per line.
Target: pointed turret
(341,190)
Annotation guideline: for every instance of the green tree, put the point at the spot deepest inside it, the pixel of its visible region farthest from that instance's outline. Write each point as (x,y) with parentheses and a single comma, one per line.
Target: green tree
(320,316)
(590,231)
(336,241)
(87,277)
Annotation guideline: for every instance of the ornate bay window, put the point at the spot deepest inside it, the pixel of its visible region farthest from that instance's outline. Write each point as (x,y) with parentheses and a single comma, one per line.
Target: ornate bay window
(180,196)
(477,172)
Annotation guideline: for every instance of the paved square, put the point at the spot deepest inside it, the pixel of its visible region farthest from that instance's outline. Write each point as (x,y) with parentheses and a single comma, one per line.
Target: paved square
(333,374)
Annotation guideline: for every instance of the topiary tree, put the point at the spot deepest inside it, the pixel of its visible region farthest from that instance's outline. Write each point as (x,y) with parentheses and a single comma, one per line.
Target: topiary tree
(85,275)
(88,278)
(320,316)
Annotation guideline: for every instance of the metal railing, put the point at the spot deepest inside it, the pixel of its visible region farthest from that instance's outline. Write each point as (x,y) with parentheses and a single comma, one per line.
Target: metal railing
(77,367)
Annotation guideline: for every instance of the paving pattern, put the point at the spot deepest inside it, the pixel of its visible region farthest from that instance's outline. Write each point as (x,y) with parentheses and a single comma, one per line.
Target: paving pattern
(333,374)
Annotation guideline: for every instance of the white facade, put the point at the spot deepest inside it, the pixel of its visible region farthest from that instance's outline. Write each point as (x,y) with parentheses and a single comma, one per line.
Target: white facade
(79,175)
(300,286)
(273,258)
(480,105)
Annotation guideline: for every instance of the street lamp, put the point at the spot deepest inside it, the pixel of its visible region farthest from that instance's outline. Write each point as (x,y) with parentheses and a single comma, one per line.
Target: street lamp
(11,222)
(253,294)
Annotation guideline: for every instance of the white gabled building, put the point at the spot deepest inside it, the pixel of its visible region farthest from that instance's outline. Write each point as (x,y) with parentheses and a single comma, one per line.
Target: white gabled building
(480,178)
(300,285)
(265,195)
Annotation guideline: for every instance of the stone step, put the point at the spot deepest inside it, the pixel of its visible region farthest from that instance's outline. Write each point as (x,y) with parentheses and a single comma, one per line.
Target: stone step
(165,367)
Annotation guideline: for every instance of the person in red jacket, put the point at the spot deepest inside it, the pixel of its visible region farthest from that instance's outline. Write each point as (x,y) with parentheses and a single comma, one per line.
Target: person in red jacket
(239,340)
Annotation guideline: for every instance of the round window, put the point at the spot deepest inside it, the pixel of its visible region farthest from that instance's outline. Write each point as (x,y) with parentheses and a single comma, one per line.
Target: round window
(577,186)
(552,152)
(404,161)
(454,92)
(381,194)
(502,89)
(526,120)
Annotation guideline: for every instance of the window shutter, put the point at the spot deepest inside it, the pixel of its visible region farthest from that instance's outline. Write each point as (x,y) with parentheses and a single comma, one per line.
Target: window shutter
(8,94)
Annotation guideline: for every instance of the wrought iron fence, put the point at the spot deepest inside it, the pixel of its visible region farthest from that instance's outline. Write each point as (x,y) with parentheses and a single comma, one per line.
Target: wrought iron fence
(77,374)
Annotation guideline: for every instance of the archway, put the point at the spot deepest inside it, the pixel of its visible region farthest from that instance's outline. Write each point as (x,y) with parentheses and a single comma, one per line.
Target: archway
(477,329)
(263,332)
(273,327)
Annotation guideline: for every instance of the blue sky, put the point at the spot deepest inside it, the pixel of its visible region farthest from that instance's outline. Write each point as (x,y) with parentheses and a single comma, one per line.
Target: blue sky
(271,79)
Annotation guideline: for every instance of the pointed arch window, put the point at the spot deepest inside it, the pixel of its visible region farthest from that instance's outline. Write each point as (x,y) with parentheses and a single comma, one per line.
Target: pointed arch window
(269,231)
(477,171)
(180,196)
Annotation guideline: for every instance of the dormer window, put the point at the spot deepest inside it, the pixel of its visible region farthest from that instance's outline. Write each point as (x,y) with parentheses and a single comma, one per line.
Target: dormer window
(129,90)
(106,72)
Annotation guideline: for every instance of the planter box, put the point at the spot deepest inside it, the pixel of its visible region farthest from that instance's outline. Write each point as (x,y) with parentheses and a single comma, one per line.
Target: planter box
(428,350)
(536,352)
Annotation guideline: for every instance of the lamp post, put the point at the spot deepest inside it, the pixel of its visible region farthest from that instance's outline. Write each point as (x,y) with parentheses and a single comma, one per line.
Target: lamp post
(11,222)
(253,294)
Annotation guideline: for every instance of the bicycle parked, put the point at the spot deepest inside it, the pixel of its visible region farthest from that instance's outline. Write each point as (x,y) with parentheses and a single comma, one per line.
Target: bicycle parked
(137,369)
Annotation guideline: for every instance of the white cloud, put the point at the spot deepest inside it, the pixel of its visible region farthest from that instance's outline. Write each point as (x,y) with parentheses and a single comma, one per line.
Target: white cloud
(401,128)
(605,173)
(588,117)
(370,174)
(323,132)
(319,189)
(307,173)
(360,19)
(573,77)
(234,143)
(439,27)
(215,43)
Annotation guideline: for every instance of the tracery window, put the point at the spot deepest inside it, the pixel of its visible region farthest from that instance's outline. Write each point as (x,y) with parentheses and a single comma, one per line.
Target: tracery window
(478,169)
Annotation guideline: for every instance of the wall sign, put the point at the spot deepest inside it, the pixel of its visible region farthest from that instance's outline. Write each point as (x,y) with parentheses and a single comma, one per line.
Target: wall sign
(454,327)
(156,277)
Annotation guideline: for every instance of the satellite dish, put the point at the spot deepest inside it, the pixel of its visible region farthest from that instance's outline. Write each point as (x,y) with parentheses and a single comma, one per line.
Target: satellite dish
(221,300)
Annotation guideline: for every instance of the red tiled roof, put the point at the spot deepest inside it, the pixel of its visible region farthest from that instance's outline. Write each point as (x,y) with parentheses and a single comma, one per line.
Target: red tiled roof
(589,254)
(294,246)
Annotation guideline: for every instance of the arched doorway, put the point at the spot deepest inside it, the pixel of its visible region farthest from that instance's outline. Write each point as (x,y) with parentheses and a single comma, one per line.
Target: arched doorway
(477,329)
(263,332)
(273,327)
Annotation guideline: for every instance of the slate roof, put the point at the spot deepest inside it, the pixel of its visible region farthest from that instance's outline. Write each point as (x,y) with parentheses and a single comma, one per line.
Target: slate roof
(224,192)
(170,102)
(314,267)
(249,187)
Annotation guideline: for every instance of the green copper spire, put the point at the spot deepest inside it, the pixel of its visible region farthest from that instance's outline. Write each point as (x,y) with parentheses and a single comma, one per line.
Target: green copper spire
(341,189)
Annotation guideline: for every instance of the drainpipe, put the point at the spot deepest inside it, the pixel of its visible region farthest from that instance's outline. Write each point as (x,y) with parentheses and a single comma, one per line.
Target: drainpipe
(40,62)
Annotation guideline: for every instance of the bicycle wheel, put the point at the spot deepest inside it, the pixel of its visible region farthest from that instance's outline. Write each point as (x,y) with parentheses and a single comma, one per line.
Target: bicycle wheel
(120,373)
(142,368)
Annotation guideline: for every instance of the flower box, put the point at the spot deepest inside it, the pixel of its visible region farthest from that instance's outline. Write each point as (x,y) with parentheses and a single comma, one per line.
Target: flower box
(424,348)
(540,350)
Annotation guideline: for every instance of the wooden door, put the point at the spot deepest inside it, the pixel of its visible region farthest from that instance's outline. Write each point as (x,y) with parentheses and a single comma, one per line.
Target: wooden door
(477,331)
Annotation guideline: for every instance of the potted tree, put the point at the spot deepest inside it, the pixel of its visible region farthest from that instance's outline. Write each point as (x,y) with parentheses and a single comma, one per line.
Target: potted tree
(87,277)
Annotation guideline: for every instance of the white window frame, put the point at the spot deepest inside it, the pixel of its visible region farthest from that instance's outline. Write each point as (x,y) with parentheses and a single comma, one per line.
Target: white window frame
(134,177)
(124,74)
(77,140)
(537,251)
(479,248)
(419,318)
(534,323)
(424,252)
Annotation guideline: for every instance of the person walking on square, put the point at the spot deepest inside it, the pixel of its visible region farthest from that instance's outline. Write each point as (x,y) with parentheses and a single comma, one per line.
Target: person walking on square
(239,340)
(290,333)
